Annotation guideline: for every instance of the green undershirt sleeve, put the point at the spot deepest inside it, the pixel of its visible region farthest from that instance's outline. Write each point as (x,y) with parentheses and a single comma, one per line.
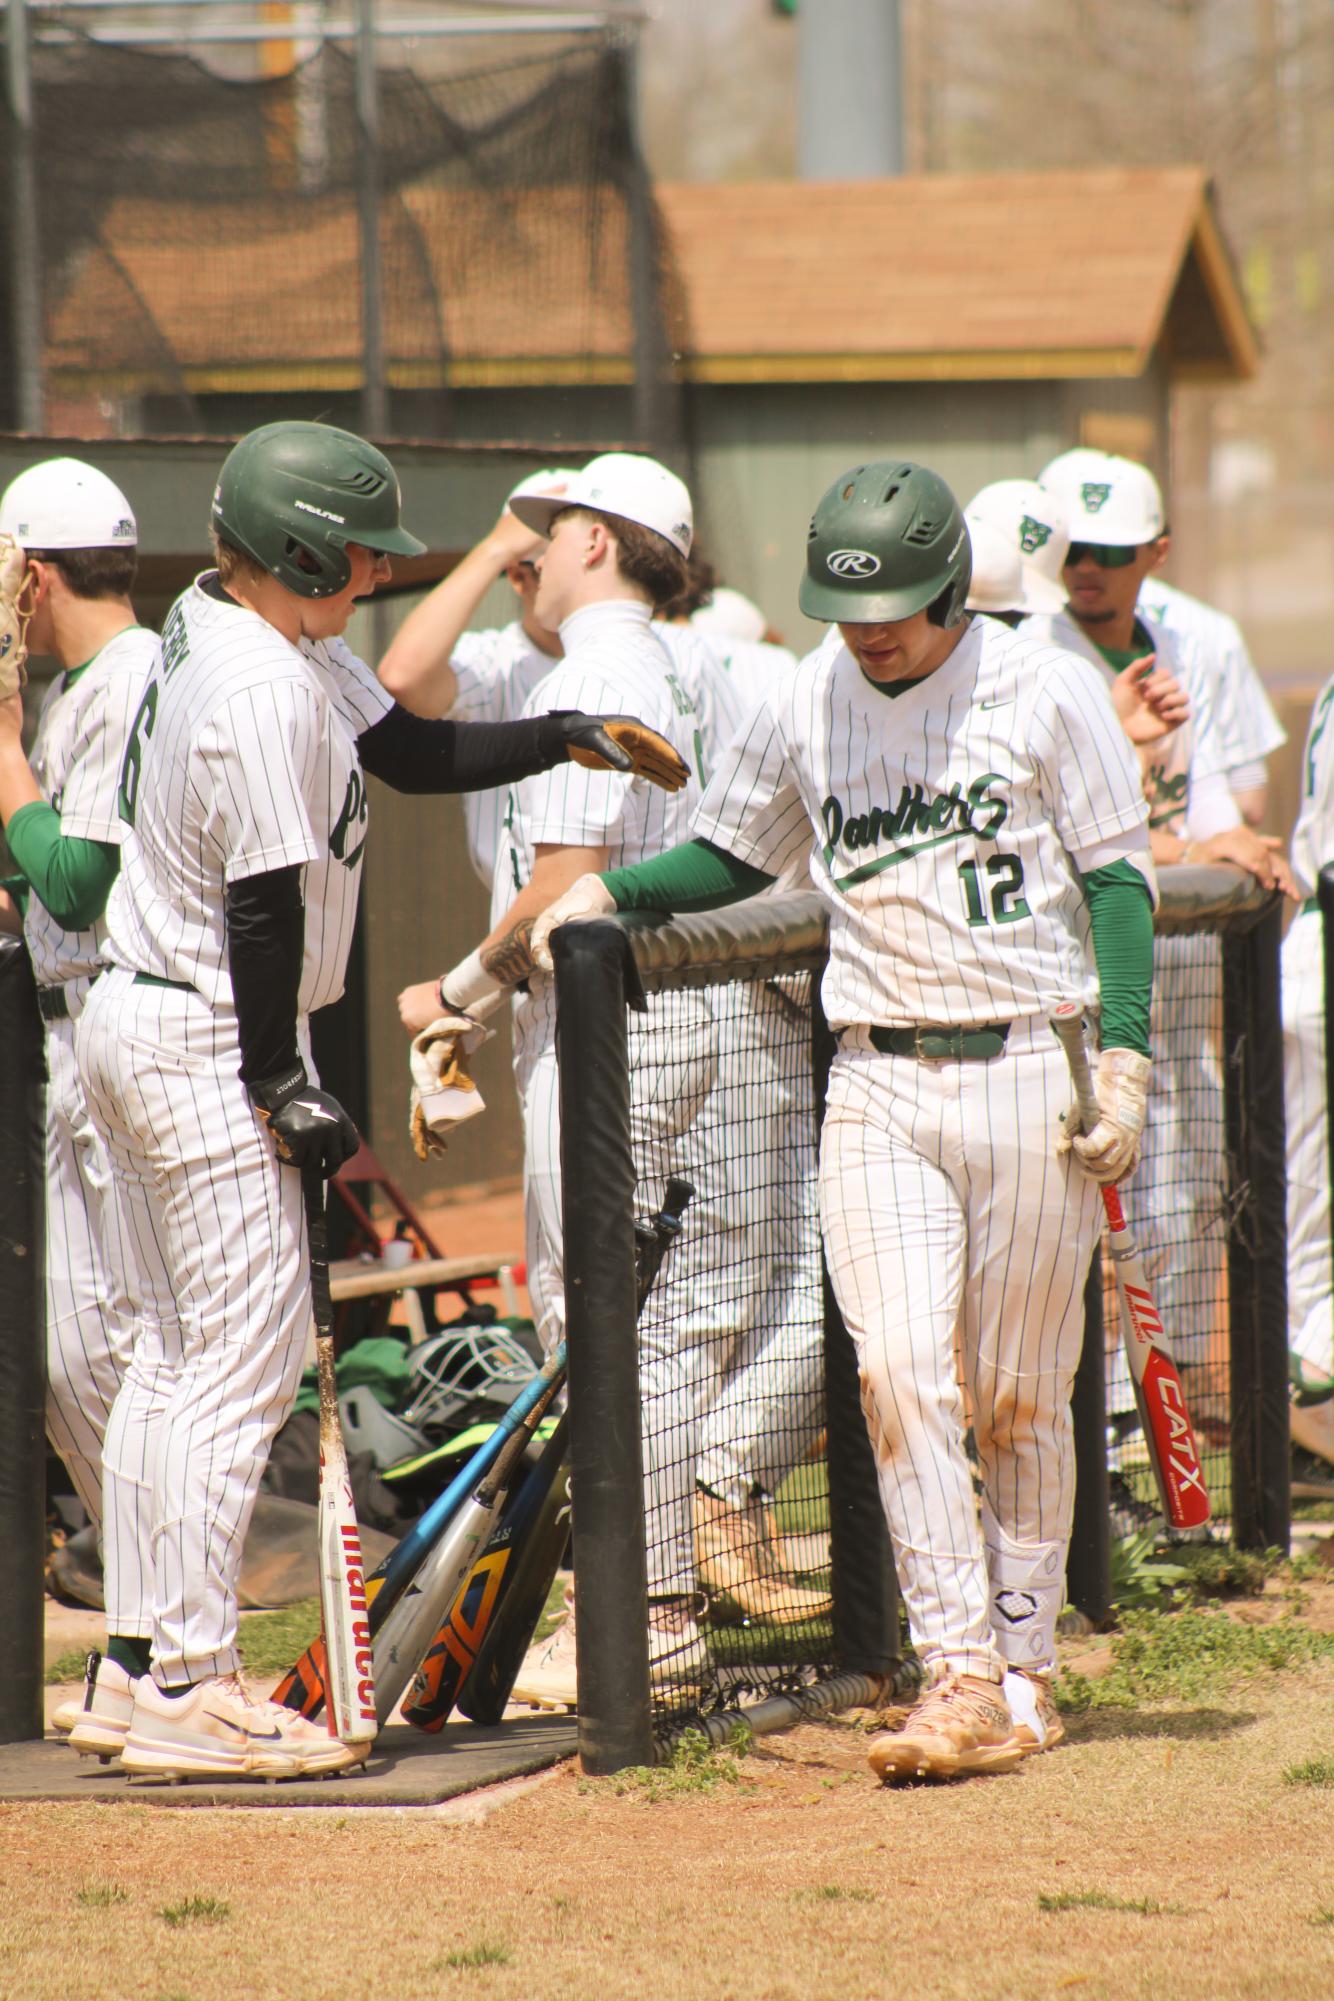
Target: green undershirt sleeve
(695,876)
(1121,917)
(72,877)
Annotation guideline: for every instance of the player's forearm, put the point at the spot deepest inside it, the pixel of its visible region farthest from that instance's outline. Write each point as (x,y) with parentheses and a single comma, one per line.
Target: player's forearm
(11,912)
(266,938)
(417,668)
(505,954)
(694,876)
(412,754)
(70,876)
(18,787)
(1121,920)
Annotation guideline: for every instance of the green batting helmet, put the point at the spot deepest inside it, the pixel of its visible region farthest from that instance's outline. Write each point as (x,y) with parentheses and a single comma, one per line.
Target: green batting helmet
(887,540)
(293,495)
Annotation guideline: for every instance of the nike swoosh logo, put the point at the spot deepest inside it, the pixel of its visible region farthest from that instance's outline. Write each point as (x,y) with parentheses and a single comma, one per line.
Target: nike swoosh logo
(1000,702)
(274,1736)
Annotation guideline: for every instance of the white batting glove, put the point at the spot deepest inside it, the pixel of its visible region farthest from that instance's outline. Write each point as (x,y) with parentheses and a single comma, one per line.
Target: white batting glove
(443,1094)
(587,898)
(1111,1150)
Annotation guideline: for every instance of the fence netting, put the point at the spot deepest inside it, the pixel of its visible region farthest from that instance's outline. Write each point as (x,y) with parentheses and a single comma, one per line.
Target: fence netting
(199,233)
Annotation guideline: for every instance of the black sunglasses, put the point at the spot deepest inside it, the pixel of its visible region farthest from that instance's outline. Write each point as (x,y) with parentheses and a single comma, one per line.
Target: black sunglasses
(1107,555)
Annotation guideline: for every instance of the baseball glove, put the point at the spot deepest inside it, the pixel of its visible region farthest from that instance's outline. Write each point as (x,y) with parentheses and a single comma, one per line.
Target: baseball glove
(643,752)
(443,1094)
(13,618)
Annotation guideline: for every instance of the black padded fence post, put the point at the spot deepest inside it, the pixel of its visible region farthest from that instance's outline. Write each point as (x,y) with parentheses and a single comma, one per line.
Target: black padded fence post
(595,978)
(1088,1570)
(1257,1241)
(22,1356)
(865,1590)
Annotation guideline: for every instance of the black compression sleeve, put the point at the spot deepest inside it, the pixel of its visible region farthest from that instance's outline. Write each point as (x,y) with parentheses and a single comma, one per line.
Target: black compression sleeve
(266,940)
(415,755)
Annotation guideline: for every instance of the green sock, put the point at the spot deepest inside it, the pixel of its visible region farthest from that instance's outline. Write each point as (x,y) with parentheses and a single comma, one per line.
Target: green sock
(135,1656)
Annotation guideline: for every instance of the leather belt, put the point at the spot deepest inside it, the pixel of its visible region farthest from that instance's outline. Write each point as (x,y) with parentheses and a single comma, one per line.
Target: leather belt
(155,980)
(53,1002)
(932,1042)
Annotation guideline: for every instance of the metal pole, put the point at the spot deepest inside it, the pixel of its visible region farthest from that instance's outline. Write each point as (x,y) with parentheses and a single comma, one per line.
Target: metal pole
(652,363)
(849,90)
(25,261)
(374,393)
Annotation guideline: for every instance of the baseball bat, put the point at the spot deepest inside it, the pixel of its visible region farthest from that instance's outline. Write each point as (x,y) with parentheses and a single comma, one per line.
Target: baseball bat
(303,1686)
(475,1657)
(1169,1434)
(407,1629)
(344,1617)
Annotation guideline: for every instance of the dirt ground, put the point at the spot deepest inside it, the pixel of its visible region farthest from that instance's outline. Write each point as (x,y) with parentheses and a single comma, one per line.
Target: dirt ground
(802,1880)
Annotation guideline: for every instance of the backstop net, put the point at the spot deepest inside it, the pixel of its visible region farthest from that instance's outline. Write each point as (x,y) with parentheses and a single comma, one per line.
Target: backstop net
(729,1546)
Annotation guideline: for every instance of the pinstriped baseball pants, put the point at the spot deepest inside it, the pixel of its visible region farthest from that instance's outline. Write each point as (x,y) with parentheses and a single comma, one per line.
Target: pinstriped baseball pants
(216,1364)
(948,1219)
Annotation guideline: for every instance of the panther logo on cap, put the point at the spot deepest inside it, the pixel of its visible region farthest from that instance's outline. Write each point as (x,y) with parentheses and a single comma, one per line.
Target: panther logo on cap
(1095,494)
(1033,535)
(852,563)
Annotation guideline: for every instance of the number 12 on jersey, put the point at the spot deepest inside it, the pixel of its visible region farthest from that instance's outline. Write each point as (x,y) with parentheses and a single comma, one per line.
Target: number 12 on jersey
(1004,890)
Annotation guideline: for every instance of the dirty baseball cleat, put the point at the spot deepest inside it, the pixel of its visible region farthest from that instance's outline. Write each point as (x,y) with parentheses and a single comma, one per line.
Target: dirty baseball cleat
(97,1724)
(548,1678)
(220,1730)
(677,1655)
(737,1567)
(1037,1721)
(959,1727)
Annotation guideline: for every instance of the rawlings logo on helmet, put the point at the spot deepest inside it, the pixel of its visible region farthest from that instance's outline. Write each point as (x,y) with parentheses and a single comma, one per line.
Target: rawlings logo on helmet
(1033,535)
(1095,494)
(852,563)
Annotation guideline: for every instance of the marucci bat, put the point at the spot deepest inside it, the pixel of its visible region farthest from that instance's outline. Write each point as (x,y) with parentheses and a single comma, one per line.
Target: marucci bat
(303,1686)
(344,1615)
(1173,1452)
(475,1657)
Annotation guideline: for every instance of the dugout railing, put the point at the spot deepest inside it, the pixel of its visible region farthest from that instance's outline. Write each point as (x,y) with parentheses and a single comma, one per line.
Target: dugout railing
(632,1029)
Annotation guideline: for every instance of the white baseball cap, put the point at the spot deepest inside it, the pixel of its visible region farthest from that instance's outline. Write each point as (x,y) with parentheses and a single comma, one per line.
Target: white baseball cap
(730,614)
(1032,522)
(997,582)
(624,483)
(65,504)
(1107,499)
(551,480)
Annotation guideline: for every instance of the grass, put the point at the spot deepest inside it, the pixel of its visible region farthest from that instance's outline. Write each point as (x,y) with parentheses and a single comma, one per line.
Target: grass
(836,1893)
(97,1896)
(1140,1575)
(1324,1916)
(486,1952)
(802,1503)
(67,1667)
(271,1641)
(1102,1900)
(693,1766)
(1184,1656)
(1314,1772)
(196,1911)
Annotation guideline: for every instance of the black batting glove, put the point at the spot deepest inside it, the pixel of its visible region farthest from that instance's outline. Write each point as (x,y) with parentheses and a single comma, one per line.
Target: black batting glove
(309,1127)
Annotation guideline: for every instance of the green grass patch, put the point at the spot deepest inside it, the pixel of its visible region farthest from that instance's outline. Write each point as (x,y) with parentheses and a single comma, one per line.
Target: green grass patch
(554,1609)
(67,1667)
(1102,1900)
(485,1952)
(196,1911)
(801,1504)
(1188,1656)
(836,1893)
(694,1765)
(1314,1772)
(1141,1575)
(99,1896)
(271,1641)
(1324,1916)
(1217,1570)
(777,1646)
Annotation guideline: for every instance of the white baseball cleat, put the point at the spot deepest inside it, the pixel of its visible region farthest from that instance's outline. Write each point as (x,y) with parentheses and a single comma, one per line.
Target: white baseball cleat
(677,1655)
(98,1725)
(547,1678)
(220,1730)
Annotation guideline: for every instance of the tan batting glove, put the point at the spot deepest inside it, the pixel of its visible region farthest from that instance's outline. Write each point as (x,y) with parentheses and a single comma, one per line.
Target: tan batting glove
(588,897)
(1111,1150)
(443,1093)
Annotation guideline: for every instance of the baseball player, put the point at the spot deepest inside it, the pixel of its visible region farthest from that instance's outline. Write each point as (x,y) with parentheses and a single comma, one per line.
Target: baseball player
(1115,515)
(972,814)
(617,541)
(78,533)
(244,799)
(1310,1278)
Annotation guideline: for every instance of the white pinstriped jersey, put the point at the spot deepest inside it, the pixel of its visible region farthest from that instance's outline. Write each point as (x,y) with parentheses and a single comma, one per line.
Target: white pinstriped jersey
(1313,836)
(717,703)
(948,823)
(76,760)
(497,670)
(243,759)
(1185,772)
(1253,729)
(752,666)
(613,665)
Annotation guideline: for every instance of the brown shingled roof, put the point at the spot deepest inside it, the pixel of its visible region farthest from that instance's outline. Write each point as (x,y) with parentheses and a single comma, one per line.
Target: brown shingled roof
(937,276)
